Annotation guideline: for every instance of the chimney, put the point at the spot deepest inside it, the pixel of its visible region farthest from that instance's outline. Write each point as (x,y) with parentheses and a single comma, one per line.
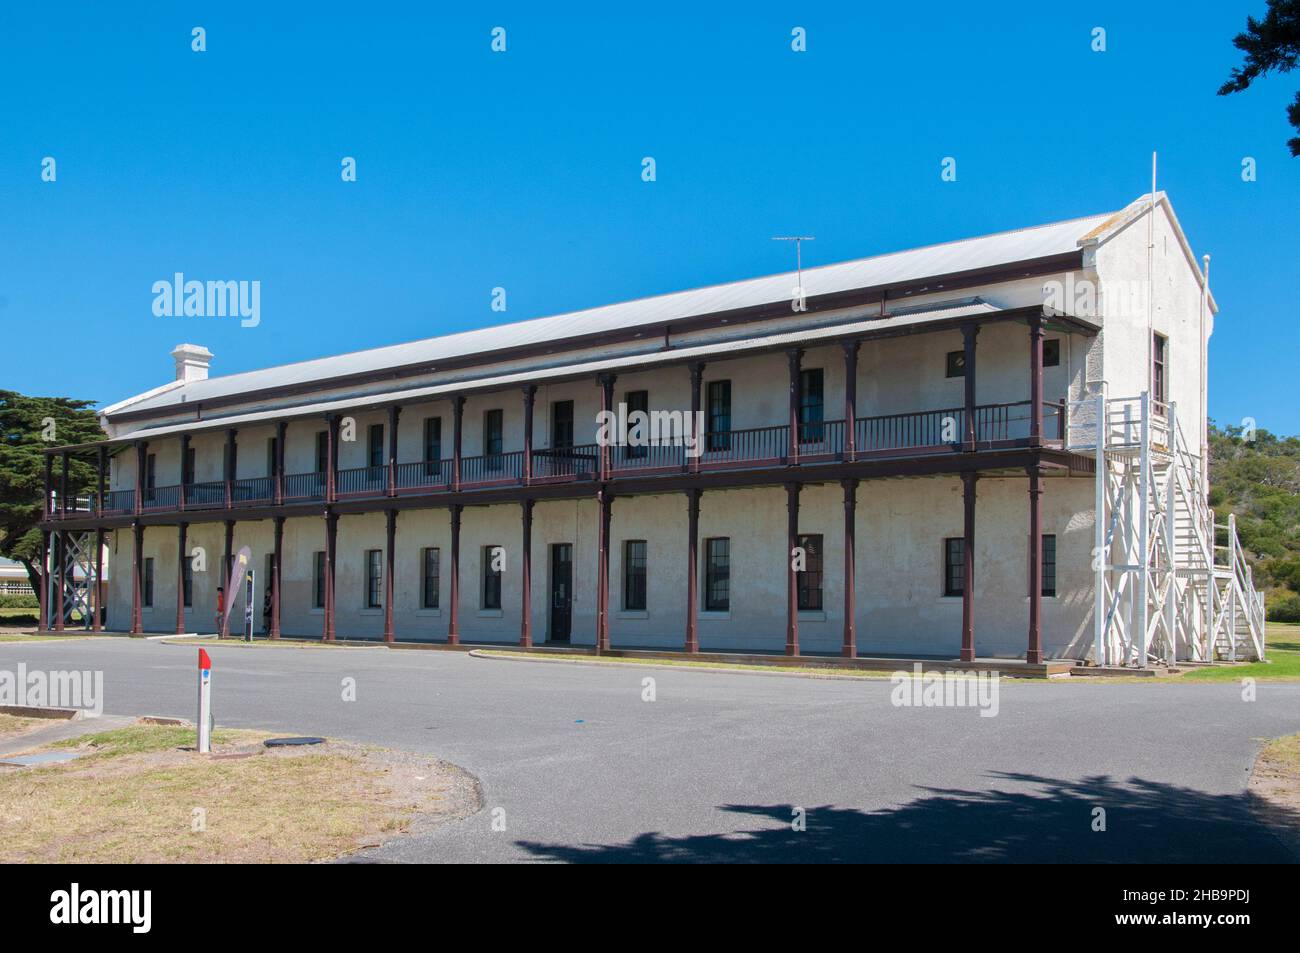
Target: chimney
(191,362)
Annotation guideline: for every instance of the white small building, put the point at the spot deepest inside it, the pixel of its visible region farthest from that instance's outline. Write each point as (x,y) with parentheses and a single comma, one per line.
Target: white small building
(991,447)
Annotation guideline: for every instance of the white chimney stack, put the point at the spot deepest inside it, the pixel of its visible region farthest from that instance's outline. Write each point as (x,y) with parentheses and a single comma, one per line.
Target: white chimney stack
(192,362)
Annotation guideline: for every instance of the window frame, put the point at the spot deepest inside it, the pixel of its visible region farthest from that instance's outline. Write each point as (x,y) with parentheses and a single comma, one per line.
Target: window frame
(490,582)
(318,579)
(636,400)
(430,584)
(146,584)
(954,365)
(954,573)
(717,415)
(636,596)
(804,578)
(1159,368)
(712,580)
(374,579)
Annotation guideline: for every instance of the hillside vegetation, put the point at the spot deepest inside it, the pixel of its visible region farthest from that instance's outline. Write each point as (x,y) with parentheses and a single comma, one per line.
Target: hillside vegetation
(1259,481)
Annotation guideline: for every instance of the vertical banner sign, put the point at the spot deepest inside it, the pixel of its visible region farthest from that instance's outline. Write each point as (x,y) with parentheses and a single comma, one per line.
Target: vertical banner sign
(248,607)
(204,721)
(240,562)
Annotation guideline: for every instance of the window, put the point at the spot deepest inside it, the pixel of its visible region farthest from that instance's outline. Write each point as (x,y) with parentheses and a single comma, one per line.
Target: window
(150,472)
(956,364)
(429,577)
(562,425)
(492,425)
(270,456)
(719,416)
(147,601)
(187,468)
(318,581)
(1049,565)
(374,578)
(717,574)
(634,592)
(492,577)
(954,566)
(1159,347)
(322,451)
(809,580)
(375,446)
(232,460)
(637,400)
(187,582)
(810,405)
(433,440)
(1052,353)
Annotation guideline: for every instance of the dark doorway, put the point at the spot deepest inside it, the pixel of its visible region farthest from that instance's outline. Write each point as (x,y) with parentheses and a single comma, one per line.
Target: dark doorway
(561,591)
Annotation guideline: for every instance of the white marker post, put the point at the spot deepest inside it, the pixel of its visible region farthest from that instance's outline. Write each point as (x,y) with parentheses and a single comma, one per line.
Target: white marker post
(204,722)
(248,607)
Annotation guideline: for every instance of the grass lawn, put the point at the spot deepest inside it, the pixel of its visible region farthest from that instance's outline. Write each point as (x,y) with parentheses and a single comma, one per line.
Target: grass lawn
(11,725)
(1282,647)
(137,796)
(1275,789)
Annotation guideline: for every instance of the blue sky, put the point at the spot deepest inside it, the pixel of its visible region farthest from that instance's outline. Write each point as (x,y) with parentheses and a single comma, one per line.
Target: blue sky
(522,170)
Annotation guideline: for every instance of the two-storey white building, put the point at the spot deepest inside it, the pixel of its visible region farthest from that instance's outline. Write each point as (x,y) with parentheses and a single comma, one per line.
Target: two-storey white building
(899,459)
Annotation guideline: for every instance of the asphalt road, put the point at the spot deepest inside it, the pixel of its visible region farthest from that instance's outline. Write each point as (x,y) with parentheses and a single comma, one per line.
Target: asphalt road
(578,767)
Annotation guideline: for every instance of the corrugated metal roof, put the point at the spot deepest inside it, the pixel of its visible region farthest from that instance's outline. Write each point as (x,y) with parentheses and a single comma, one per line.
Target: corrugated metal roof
(804,336)
(895,268)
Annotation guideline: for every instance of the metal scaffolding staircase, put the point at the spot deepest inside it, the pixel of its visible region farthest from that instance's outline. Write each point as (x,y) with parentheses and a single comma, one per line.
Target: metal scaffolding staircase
(1166,589)
(79,577)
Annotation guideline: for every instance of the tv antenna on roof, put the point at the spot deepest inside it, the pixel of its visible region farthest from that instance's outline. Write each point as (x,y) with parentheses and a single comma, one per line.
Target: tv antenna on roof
(798,301)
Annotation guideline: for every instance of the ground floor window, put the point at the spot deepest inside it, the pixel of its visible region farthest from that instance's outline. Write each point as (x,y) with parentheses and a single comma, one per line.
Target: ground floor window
(634,566)
(148,582)
(187,582)
(954,566)
(717,574)
(429,577)
(809,579)
(318,581)
(492,557)
(374,578)
(1049,565)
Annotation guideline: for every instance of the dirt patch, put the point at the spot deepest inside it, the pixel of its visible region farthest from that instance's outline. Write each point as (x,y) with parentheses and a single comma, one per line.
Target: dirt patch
(13,725)
(1274,790)
(142,795)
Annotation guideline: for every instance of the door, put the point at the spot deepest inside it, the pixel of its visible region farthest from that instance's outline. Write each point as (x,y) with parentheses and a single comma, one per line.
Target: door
(561,591)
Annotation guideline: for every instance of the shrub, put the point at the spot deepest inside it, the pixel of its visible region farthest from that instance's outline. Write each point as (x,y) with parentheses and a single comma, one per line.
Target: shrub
(18,602)
(1285,610)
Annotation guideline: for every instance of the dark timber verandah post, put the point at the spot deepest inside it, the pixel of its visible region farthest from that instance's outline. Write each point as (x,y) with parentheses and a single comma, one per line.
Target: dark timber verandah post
(793,356)
(276,557)
(229,467)
(850,647)
(530,395)
(63,487)
(457,418)
(969,333)
(227,577)
(453,617)
(850,398)
(692,570)
(331,457)
(139,477)
(697,431)
(185,456)
(792,577)
(394,414)
(60,577)
(391,544)
(604,500)
(137,578)
(968,480)
(331,557)
(526,572)
(180,576)
(97,623)
(281,433)
(48,507)
(1034,652)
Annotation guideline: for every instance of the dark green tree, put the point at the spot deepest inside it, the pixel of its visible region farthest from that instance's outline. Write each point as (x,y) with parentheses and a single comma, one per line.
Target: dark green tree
(29,425)
(1270,44)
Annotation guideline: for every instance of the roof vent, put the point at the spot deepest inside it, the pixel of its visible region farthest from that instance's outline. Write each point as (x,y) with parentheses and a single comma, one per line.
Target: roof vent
(192,362)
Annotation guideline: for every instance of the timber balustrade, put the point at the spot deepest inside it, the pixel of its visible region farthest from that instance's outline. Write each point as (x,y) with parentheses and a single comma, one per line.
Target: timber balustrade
(928,432)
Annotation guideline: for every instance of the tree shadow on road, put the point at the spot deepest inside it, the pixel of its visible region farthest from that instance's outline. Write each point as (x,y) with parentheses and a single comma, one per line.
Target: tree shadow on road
(1146,822)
